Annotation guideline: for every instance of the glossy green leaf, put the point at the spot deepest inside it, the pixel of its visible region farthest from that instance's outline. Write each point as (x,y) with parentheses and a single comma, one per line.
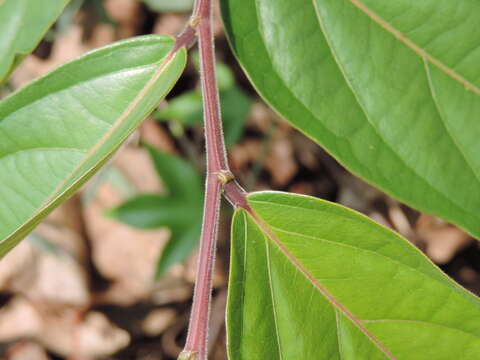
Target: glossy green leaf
(23,23)
(311,279)
(180,209)
(390,88)
(56,132)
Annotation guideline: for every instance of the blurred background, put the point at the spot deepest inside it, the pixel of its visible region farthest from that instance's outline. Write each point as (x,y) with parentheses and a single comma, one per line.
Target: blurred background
(109,274)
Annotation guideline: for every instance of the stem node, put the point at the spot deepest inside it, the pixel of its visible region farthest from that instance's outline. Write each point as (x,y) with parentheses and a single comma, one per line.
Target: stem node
(194,21)
(225,176)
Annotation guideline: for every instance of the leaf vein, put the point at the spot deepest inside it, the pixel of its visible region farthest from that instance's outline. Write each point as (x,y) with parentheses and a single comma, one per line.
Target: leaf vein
(441,115)
(274,308)
(417,49)
(422,322)
(369,120)
(330,298)
(398,263)
(162,66)
(337,324)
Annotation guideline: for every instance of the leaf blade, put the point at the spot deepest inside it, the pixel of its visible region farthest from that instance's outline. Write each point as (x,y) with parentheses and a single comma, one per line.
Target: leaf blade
(181,245)
(68,113)
(333,261)
(181,179)
(151,211)
(22,25)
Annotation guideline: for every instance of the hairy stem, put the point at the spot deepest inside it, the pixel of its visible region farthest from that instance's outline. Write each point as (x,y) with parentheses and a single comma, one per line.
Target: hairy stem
(196,344)
(218,179)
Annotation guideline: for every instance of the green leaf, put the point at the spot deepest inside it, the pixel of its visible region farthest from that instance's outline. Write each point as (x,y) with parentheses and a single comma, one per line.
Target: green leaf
(23,23)
(181,245)
(311,279)
(390,88)
(66,19)
(235,109)
(182,217)
(187,110)
(225,77)
(181,179)
(180,209)
(169,5)
(56,132)
(151,211)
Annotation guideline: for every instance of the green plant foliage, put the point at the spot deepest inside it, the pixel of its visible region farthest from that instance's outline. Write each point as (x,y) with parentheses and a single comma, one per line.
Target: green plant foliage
(235,109)
(313,280)
(170,5)
(67,17)
(23,23)
(390,88)
(180,209)
(56,132)
(91,7)
(186,110)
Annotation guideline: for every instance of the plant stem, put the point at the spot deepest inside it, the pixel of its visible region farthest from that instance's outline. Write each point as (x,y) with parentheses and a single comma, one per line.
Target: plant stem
(196,344)
(218,179)
(216,153)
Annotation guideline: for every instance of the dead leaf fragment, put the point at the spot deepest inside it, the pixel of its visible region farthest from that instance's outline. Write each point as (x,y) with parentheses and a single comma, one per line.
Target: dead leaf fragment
(123,254)
(442,240)
(19,319)
(26,350)
(93,337)
(158,321)
(281,161)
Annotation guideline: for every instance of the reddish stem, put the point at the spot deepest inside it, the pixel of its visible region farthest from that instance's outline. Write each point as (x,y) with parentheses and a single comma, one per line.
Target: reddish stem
(196,344)
(218,175)
(216,153)
(219,178)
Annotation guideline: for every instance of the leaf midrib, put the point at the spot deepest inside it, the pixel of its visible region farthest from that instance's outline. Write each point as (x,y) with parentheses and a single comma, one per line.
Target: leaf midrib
(444,279)
(163,64)
(415,48)
(394,261)
(425,58)
(44,95)
(269,230)
(130,108)
(265,228)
